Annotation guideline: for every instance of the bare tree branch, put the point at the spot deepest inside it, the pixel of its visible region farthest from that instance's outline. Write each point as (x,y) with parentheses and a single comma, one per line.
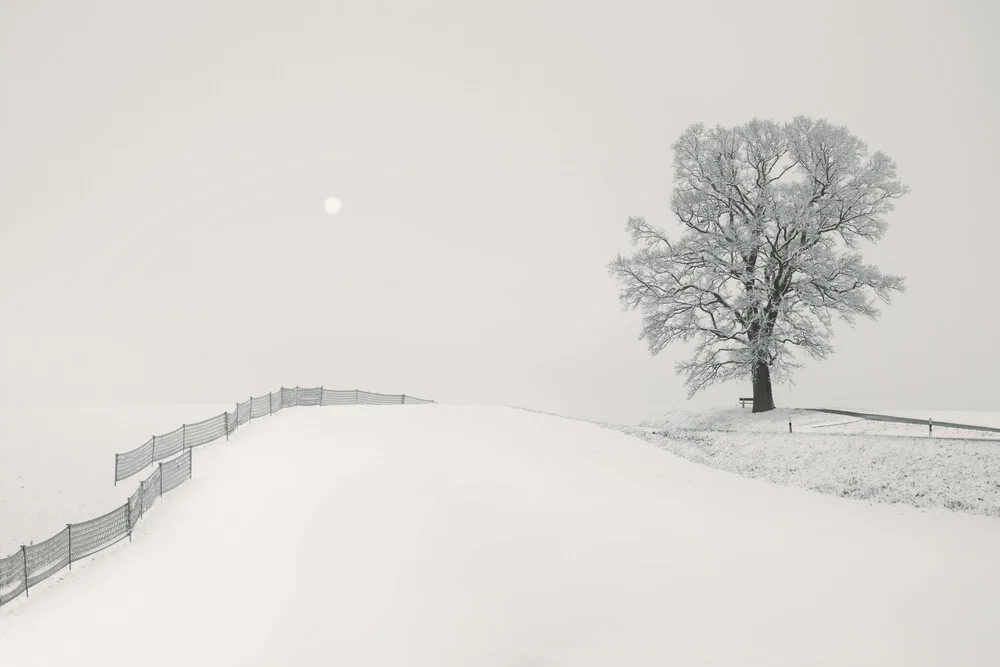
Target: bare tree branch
(774,216)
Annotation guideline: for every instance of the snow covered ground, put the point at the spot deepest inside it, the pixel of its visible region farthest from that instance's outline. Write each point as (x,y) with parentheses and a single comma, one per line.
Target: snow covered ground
(776,421)
(869,460)
(443,535)
(57,462)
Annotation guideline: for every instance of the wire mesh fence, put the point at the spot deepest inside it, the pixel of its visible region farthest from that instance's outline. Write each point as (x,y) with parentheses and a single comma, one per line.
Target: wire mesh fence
(89,537)
(44,559)
(260,406)
(12,579)
(34,563)
(165,446)
(310,396)
(37,562)
(205,431)
(135,506)
(162,447)
(340,397)
(130,463)
(174,472)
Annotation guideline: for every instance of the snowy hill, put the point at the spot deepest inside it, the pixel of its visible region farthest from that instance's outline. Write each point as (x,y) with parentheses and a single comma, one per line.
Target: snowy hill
(442,535)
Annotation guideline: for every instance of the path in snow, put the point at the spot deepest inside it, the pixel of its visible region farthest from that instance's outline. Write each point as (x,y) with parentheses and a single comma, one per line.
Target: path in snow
(909,420)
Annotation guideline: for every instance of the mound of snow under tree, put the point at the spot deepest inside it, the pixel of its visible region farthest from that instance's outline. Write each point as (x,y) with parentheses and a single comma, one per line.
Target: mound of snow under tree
(877,461)
(442,535)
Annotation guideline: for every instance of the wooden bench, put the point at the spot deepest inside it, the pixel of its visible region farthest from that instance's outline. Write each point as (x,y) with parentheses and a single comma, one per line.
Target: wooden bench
(744,401)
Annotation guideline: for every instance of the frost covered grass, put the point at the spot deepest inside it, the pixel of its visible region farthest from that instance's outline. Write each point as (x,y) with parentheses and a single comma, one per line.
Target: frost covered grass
(876,461)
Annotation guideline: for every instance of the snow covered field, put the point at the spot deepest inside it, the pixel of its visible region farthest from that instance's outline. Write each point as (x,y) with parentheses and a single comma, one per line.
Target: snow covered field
(444,535)
(776,421)
(868,460)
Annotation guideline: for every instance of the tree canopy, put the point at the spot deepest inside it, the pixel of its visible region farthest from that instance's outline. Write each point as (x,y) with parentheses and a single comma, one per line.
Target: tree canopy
(773,218)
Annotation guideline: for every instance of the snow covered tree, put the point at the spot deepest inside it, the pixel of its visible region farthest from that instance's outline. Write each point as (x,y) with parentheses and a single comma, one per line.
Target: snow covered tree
(773,217)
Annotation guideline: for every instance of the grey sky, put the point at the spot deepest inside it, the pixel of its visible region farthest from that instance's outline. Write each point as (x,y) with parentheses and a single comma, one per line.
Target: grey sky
(163,168)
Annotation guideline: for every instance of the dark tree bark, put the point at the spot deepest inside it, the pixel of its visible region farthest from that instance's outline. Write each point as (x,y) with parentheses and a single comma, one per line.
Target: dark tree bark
(763,400)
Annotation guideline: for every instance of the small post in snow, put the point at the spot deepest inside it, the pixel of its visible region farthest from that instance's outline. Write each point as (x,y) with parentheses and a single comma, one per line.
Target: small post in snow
(24,557)
(789,425)
(930,426)
(142,499)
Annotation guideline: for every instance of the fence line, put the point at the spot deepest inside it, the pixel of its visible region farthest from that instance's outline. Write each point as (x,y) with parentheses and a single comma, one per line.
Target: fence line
(33,564)
(161,447)
(172,452)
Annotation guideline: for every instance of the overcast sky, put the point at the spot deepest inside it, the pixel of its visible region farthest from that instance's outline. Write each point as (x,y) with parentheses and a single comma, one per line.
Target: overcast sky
(163,168)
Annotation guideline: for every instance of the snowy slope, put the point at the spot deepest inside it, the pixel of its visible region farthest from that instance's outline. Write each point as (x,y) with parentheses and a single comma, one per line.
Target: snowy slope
(737,419)
(439,535)
(57,462)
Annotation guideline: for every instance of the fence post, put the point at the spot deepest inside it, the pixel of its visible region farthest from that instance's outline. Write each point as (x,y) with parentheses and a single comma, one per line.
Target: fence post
(152,452)
(184,437)
(270,404)
(251,407)
(355,396)
(69,544)
(142,498)
(320,396)
(161,479)
(225,417)
(789,425)
(930,426)
(24,558)
(116,469)
(237,413)
(404,399)
(128,517)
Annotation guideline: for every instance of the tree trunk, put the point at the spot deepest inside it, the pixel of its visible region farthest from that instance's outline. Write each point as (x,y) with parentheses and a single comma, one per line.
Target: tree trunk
(763,400)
